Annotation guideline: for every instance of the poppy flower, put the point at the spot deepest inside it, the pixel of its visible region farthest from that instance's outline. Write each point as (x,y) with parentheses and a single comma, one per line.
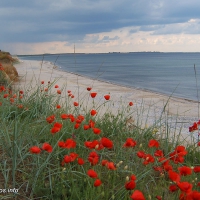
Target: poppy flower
(76,126)
(198,144)
(111,166)
(148,159)
(133,177)
(47,147)
(81,161)
(184,171)
(93,94)
(97,183)
(93,112)
(61,144)
(173,188)
(173,176)
(131,103)
(96,131)
(104,162)
(185,186)
(91,124)
(91,145)
(69,91)
(107,97)
(129,143)
(67,159)
(59,91)
(50,119)
(89,88)
(35,150)
(141,154)
(42,82)
(5,95)
(86,127)
(159,197)
(158,153)
(130,185)
(91,173)
(70,143)
(56,86)
(73,156)
(196,169)
(107,143)
(58,106)
(46,89)
(21,92)
(64,116)
(137,195)
(93,158)
(76,104)
(153,143)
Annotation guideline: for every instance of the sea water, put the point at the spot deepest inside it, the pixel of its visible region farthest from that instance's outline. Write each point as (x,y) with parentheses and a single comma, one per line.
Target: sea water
(166,73)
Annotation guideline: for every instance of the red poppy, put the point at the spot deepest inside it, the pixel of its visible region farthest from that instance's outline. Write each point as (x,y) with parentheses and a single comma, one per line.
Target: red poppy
(159,197)
(137,195)
(67,159)
(47,147)
(173,188)
(93,94)
(86,127)
(153,143)
(148,159)
(91,124)
(131,103)
(97,183)
(70,143)
(158,153)
(198,144)
(50,119)
(59,91)
(196,169)
(64,116)
(73,156)
(104,162)
(56,86)
(185,186)
(184,171)
(61,144)
(91,173)
(194,195)
(42,82)
(96,131)
(130,185)
(35,150)
(141,154)
(76,104)
(107,143)
(76,126)
(93,158)
(133,177)
(69,91)
(107,97)
(129,143)
(5,95)
(111,166)
(91,145)
(93,112)
(21,92)
(81,161)
(58,106)
(89,88)
(56,128)
(174,176)
(46,89)
(72,96)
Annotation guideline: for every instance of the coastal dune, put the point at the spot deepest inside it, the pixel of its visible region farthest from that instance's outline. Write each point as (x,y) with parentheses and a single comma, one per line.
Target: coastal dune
(182,112)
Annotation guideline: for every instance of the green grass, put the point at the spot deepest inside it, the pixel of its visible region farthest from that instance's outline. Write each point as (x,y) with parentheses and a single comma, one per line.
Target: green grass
(42,176)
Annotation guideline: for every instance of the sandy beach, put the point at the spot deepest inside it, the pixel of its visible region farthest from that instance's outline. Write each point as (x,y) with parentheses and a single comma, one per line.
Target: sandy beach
(181,113)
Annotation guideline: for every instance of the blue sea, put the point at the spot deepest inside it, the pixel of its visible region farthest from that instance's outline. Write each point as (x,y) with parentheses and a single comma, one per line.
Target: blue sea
(166,73)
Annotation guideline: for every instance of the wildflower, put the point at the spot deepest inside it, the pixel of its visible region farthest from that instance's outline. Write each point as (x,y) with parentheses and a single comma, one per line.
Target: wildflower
(61,144)
(196,169)
(56,128)
(107,143)
(58,106)
(64,116)
(96,131)
(50,119)
(56,86)
(153,143)
(93,112)
(174,176)
(76,104)
(110,165)
(93,158)
(69,91)
(104,162)
(72,96)
(12,100)
(93,94)
(5,95)
(198,144)
(47,147)
(97,183)
(73,156)
(67,159)
(70,143)
(86,127)
(159,197)
(42,82)
(89,88)
(185,186)
(81,161)
(131,103)
(91,124)
(158,153)
(184,171)
(91,173)
(35,150)
(107,97)
(141,154)
(59,91)
(21,92)
(130,185)
(173,188)
(137,195)
(129,143)
(76,126)
(148,159)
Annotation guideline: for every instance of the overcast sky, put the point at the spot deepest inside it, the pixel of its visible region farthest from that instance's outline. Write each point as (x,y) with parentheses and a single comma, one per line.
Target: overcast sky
(54,26)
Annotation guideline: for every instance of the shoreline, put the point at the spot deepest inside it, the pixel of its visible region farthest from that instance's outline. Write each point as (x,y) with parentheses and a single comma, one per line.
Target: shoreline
(183,111)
